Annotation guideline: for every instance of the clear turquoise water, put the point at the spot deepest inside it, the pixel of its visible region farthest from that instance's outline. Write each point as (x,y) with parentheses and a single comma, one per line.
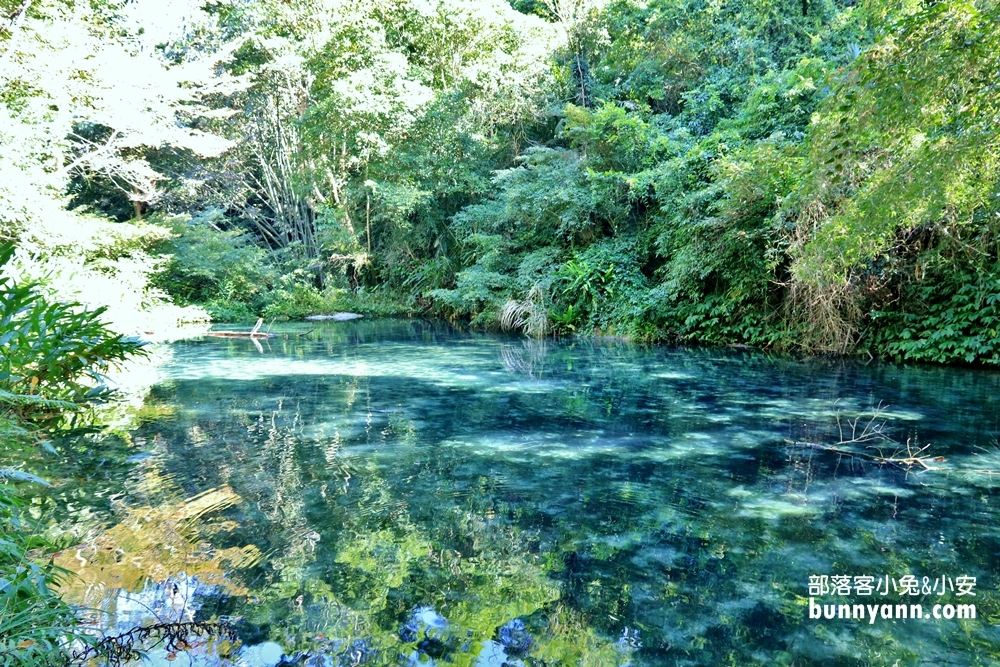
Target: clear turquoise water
(413,490)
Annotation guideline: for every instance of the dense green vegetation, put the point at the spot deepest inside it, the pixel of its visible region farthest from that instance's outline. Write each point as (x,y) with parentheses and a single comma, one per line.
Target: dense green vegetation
(53,364)
(814,174)
(817,175)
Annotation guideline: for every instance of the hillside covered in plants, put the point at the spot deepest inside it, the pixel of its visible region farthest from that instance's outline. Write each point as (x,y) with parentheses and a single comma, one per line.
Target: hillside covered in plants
(794,174)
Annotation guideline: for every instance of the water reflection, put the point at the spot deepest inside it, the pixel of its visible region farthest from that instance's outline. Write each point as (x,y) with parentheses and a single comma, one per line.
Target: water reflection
(401,493)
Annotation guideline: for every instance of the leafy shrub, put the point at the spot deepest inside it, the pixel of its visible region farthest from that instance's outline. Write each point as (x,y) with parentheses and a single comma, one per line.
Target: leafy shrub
(237,280)
(55,357)
(613,139)
(295,299)
(55,354)
(35,625)
(222,268)
(478,295)
(602,289)
(550,198)
(952,319)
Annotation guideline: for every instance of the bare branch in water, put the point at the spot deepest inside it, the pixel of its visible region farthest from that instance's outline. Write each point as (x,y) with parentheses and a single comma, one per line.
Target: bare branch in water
(118,650)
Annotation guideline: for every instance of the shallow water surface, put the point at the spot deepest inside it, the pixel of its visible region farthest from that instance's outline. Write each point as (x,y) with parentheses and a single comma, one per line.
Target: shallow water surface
(396,493)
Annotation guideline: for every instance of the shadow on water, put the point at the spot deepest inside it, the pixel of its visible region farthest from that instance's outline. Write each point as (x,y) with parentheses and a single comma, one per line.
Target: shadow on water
(404,493)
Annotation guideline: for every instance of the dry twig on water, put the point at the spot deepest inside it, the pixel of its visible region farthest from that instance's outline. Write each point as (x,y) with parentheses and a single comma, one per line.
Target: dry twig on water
(117,650)
(874,431)
(254,333)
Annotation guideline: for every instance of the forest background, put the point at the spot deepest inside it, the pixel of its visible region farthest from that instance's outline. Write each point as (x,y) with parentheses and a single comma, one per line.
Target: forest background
(793,174)
(813,175)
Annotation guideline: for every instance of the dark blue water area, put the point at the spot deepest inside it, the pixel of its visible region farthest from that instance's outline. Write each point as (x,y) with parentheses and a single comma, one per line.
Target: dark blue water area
(400,492)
